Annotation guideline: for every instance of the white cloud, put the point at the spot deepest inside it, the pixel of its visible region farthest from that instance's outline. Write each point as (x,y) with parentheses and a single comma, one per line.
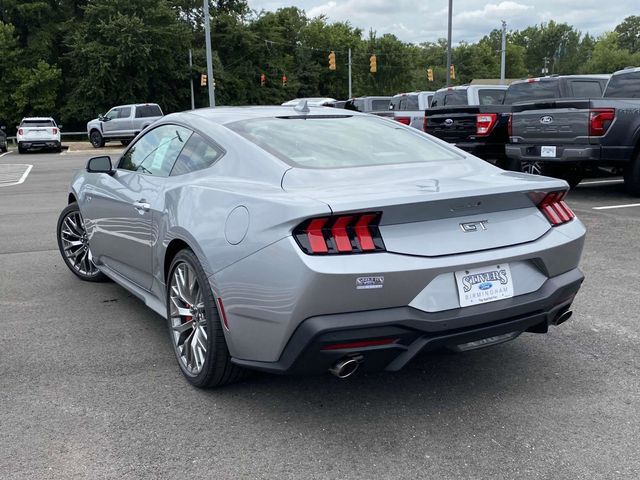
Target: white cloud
(426,20)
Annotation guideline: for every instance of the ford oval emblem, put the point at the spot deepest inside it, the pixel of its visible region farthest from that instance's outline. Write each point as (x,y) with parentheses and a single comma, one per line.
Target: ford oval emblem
(546,119)
(485,286)
(448,122)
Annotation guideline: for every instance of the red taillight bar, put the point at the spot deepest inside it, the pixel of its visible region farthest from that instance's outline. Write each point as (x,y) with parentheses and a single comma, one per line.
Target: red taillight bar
(555,209)
(485,123)
(403,120)
(20,131)
(223,314)
(340,234)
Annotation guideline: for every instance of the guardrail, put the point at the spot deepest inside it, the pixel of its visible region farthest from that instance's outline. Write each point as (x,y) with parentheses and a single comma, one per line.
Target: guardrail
(62,134)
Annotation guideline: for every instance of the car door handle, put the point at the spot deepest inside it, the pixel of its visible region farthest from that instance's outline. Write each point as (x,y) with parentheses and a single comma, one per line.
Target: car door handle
(141,206)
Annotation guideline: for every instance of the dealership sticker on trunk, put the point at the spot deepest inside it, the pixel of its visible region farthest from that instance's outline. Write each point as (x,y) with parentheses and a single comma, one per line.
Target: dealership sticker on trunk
(366,283)
(484,284)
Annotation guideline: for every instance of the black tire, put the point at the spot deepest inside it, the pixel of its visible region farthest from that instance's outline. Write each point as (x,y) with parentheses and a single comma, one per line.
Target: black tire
(96,139)
(632,176)
(217,369)
(21,149)
(3,149)
(96,275)
(573,176)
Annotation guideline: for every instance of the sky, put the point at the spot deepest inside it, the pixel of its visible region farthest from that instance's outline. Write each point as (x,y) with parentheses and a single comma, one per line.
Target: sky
(426,20)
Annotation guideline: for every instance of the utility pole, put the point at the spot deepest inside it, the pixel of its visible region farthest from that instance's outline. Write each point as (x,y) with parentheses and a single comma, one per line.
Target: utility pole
(207,39)
(503,53)
(350,93)
(193,103)
(449,44)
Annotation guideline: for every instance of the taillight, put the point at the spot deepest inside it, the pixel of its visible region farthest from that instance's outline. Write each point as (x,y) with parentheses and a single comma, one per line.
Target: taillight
(600,120)
(555,209)
(403,120)
(510,125)
(353,233)
(55,131)
(20,131)
(424,124)
(485,123)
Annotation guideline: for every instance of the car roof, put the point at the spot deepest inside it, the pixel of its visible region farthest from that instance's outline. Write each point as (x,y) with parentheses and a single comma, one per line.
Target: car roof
(225,115)
(37,119)
(627,70)
(599,76)
(421,92)
(295,101)
(466,87)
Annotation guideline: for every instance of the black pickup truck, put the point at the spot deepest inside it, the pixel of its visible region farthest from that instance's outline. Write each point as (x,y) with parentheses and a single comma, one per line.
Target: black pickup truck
(483,130)
(567,138)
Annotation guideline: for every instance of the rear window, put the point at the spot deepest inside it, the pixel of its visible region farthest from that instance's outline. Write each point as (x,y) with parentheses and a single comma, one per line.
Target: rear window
(531,91)
(406,102)
(456,97)
(585,88)
(490,96)
(148,111)
(625,85)
(335,142)
(377,105)
(37,123)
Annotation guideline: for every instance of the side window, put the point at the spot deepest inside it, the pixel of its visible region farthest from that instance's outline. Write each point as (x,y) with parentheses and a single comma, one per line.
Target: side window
(196,155)
(143,111)
(156,152)
(586,89)
(491,97)
(113,113)
(124,112)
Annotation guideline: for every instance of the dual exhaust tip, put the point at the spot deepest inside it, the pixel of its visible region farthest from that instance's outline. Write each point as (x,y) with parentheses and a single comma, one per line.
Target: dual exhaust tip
(346,367)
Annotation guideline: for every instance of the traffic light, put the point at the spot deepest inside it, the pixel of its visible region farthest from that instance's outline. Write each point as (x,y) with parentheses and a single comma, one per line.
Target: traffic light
(373,64)
(430,74)
(284,80)
(453,72)
(263,79)
(203,80)
(332,60)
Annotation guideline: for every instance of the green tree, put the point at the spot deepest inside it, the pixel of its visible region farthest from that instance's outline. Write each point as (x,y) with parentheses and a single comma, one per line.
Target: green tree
(629,34)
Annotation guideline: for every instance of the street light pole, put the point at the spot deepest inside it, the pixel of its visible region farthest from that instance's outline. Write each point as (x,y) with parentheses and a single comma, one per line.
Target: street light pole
(207,39)
(350,94)
(193,104)
(449,44)
(503,53)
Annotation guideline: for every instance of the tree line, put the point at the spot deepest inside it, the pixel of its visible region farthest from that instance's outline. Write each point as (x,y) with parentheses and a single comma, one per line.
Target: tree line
(74,59)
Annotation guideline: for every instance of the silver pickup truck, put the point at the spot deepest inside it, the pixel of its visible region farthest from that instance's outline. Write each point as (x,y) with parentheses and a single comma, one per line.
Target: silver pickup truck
(122,123)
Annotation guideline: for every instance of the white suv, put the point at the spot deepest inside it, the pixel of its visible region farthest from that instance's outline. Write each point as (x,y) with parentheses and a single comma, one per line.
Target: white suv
(38,133)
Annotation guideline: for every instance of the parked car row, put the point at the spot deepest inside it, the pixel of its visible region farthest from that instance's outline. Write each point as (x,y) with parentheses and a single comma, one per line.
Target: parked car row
(561,126)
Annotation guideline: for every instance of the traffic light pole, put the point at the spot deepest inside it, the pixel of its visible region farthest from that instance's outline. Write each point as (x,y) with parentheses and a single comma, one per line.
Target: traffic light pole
(207,39)
(503,53)
(350,93)
(193,103)
(449,44)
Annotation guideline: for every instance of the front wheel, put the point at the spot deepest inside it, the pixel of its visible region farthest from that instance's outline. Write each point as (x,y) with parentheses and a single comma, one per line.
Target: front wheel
(96,139)
(195,329)
(74,245)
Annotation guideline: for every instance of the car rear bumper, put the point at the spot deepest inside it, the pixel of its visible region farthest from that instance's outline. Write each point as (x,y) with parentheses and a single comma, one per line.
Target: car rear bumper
(39,144)
(572,154)
(312,347)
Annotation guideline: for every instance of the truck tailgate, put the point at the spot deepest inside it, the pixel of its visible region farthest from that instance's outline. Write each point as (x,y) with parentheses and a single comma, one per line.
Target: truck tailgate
(451,124)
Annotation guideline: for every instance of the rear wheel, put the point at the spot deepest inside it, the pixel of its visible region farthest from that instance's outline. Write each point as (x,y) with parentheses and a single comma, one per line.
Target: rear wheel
(74,245)
(3,149)
(125,142)
(96,139)
(632,176)
(195,329)
(572,175)
(21,149)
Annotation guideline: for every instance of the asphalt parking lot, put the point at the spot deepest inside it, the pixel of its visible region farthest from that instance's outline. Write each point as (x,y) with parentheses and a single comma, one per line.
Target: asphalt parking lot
(89,386)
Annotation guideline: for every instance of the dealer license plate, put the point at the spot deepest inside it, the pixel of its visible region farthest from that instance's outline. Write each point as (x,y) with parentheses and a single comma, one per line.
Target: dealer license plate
(484,284)
(548,151)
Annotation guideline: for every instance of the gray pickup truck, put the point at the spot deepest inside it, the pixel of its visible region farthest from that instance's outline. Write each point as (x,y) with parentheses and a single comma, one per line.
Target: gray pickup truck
(122,123)
(567,138)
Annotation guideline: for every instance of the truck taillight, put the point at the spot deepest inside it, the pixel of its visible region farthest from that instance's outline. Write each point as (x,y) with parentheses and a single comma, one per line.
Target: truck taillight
(510,125)
(20,131)
(485,123)
(339,234)
(424,124)
(55,131)
(600,120)
(555,209)
(403,120)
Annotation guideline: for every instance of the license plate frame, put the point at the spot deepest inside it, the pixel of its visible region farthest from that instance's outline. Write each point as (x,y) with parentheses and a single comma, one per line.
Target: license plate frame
(486,284)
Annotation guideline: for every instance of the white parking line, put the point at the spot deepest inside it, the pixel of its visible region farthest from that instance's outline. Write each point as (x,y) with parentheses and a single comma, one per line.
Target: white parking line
(596,182)
(609,207)
(13,174)
(5,153)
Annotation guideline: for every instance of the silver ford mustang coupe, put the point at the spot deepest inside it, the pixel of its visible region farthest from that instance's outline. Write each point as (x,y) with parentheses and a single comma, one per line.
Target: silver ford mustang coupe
(301,240)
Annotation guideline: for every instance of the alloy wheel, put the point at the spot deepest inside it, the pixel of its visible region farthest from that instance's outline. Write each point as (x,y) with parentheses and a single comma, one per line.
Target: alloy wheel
(188,318)
(75,245)
(532,167)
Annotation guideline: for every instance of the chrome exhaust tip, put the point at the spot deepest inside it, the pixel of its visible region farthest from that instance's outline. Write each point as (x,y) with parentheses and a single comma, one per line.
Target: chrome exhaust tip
(346,367)
(563,317)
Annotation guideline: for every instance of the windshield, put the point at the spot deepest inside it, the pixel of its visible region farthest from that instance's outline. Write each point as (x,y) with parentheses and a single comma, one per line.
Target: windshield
(624,85)
(530,91)
(341,141)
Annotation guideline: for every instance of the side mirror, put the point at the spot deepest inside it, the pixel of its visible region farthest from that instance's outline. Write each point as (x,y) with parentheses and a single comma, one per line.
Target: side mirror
(101,117)
(59,127)
(3,127)
(100,165)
